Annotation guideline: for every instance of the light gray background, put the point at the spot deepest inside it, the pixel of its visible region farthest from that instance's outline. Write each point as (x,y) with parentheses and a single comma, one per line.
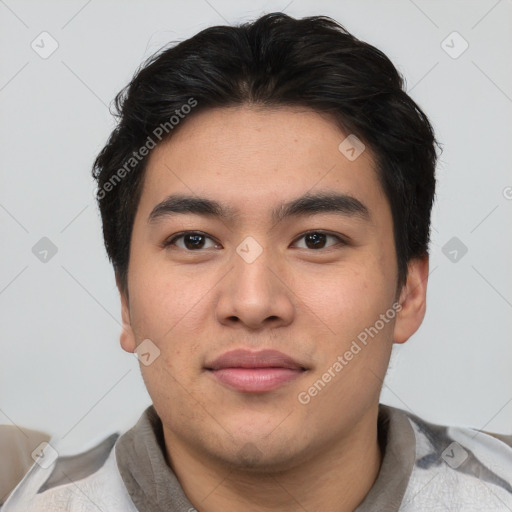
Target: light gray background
(61,367)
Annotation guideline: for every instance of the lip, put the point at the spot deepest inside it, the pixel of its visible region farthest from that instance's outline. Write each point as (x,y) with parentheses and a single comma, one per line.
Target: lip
(255,372)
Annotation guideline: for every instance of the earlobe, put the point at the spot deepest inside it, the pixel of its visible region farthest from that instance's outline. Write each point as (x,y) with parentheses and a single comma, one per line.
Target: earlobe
(127,336)
(412,300)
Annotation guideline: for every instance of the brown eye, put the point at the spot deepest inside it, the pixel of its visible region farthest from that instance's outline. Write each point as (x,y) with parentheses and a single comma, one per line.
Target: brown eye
(191,241)
(317,240)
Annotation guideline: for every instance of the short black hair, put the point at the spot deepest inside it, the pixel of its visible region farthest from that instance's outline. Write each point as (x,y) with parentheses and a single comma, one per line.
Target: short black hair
(274,61)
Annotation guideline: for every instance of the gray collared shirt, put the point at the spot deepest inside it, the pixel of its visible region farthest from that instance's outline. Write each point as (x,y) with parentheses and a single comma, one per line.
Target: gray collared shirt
(424,467)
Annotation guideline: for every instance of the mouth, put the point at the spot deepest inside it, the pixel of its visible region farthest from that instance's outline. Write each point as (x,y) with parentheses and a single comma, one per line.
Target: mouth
(255,372)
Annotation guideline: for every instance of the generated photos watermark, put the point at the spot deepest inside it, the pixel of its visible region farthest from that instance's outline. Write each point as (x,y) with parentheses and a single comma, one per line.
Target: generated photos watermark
(158,133)
(304,397)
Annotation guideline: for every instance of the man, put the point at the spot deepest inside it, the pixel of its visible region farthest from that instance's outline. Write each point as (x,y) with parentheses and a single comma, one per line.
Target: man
(266,202)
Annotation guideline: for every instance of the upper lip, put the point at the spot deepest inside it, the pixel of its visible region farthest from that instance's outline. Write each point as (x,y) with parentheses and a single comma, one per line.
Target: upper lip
(247,359)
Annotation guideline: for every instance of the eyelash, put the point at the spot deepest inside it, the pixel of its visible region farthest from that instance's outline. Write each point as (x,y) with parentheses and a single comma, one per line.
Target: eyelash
(340,240)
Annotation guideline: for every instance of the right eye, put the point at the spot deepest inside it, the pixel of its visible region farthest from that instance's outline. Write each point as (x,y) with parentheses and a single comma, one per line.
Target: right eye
(192,241)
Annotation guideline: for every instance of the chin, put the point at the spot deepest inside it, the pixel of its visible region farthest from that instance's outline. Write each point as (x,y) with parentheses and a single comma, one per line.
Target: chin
(258,453)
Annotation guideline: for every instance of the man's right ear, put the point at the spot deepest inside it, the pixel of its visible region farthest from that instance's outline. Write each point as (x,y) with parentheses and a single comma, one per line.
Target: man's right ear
(127,336)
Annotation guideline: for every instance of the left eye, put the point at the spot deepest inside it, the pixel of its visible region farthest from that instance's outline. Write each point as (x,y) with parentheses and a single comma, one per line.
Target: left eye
(193,241)
(317,239)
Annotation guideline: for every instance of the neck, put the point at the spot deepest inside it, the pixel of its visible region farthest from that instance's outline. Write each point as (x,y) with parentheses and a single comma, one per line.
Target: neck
(336,479)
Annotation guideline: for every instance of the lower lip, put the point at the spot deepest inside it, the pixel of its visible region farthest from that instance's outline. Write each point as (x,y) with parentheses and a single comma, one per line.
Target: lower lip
(256,380)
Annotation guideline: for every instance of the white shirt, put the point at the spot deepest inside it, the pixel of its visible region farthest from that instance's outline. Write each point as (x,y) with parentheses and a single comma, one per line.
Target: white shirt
(425,467)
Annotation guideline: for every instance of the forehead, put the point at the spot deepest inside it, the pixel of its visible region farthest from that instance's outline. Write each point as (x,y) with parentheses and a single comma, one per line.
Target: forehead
(255,160)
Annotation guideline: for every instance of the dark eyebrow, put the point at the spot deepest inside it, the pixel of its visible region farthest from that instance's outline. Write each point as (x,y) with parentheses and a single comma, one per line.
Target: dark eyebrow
(308,204)
(178,203)
(326,202)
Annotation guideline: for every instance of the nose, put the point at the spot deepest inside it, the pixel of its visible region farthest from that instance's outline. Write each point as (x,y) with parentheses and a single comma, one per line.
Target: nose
(255,294)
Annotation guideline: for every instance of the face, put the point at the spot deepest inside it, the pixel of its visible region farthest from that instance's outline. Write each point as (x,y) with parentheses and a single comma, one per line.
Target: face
(273,323)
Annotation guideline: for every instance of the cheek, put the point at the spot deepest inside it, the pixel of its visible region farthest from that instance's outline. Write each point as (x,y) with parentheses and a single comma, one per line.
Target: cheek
(345,298)
(164,301)
(170,311)
(349,304)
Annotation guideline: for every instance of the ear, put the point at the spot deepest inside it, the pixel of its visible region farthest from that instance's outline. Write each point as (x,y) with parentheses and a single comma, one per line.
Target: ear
(127,336)
(413,300)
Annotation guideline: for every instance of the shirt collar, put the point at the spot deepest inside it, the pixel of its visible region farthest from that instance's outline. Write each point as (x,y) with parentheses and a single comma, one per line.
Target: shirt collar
(153,486)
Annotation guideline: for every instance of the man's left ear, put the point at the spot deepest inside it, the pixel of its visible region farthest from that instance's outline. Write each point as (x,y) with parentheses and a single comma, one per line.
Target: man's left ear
(413,300)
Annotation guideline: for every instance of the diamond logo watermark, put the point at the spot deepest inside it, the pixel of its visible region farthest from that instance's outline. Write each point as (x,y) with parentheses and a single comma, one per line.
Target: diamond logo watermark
(44,45)
(249,249)
(146,352)
(454,249)
(454,455)
(454,45)
(351,147)
(44,250)
(44,455)
(250,453)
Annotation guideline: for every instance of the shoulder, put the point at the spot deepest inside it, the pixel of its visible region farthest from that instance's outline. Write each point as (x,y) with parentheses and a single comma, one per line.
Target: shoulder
(457,466)
(81,483)
(16,446)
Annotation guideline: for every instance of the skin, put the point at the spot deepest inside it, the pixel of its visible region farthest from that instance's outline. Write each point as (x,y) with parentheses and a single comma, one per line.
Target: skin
(266,451)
